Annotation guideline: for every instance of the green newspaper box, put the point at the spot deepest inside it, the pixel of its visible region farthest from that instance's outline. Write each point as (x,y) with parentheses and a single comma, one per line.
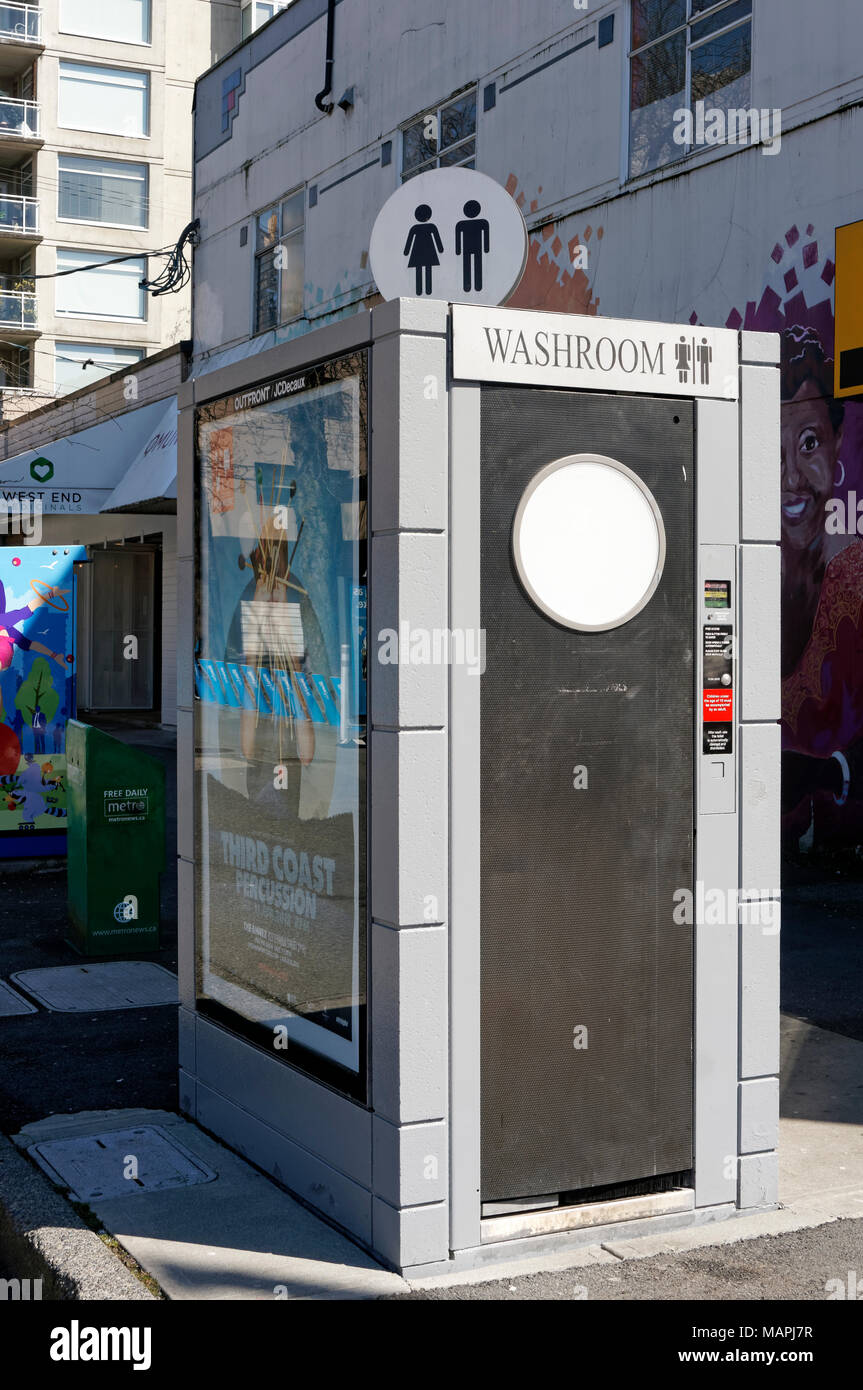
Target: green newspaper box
(116,802)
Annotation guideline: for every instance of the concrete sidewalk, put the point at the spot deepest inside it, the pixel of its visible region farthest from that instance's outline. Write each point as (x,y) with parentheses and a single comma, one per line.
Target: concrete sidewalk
(240,1236)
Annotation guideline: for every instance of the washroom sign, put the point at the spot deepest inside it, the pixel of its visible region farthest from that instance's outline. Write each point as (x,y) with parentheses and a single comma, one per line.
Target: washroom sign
(451,234)
(594,354)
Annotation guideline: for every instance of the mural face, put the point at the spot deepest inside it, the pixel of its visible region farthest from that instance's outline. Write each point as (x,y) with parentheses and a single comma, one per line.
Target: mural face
(37,696)
(810,446)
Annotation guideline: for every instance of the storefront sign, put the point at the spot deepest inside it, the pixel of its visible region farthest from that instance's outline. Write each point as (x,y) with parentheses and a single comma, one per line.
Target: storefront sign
(79,473)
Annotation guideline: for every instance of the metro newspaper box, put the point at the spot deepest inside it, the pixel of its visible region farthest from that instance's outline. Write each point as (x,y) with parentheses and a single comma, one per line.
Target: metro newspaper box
(116,843)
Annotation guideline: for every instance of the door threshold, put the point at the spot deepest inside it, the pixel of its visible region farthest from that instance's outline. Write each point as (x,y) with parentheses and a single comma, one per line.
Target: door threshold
(541,1223)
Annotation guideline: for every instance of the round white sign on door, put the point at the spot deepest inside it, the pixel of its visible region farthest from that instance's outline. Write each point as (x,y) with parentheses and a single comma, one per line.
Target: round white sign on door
(450,234)
(588,542)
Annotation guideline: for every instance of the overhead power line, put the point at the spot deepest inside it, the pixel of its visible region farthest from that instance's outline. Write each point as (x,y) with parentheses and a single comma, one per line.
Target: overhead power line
(178,272)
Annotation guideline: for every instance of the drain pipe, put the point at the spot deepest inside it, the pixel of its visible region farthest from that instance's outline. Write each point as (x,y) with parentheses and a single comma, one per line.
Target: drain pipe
(327,106)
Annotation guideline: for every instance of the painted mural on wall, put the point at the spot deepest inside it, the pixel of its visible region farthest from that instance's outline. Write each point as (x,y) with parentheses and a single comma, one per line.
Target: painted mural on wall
(822,559)
(558,273)
(822,472)
(37,696)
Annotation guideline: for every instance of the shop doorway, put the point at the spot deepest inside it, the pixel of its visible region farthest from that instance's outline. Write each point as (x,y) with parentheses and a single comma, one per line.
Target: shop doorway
(120,608)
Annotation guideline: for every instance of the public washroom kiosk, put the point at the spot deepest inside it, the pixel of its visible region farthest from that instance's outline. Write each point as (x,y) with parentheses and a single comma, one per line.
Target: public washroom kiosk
(479,775)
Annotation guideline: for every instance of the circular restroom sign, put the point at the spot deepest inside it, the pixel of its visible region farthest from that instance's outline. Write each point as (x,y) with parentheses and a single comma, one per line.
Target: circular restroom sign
(451,234)
(588,542)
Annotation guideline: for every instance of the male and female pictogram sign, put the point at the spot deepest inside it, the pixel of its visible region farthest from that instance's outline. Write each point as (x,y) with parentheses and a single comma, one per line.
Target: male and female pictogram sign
(451,234)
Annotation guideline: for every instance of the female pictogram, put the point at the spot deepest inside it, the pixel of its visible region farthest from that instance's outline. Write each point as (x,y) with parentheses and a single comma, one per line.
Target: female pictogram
(422,246)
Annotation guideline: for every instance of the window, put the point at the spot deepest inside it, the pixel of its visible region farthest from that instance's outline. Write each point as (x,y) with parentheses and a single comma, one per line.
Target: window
(102,190)
(442,137)
(103,292)
(79,364)
(683,52)
(113,100)
(256,14)
(279,262)
(126,21)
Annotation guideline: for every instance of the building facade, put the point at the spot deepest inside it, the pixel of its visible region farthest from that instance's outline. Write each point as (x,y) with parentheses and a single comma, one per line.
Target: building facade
(95,164)
(98,468)
(679,160)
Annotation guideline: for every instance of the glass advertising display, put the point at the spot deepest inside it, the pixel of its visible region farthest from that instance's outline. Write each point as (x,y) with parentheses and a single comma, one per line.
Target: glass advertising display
(280,701)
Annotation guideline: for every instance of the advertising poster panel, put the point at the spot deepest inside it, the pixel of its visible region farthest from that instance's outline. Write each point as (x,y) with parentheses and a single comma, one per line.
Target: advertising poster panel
(280,698)
(37,695)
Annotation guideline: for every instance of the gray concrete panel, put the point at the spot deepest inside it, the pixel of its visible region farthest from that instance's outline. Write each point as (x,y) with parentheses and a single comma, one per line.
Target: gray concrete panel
(760,472)
(760,788)
(410,1162)
(759,1115)
(335,1129)
(759,998)
(409,1006)
(759,634)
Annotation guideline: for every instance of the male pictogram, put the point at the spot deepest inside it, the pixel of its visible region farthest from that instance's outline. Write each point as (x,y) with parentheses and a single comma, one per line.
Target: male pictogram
(704,356)
(471,241)
(422,246)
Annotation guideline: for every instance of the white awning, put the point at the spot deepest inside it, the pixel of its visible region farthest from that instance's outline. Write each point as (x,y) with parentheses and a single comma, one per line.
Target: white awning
(84,472)
(150,482)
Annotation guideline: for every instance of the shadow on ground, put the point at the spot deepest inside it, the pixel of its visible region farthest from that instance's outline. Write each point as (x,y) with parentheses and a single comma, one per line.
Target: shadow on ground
(62,1063)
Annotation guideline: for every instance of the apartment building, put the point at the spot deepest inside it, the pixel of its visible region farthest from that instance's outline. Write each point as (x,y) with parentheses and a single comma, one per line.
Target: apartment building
(95,163)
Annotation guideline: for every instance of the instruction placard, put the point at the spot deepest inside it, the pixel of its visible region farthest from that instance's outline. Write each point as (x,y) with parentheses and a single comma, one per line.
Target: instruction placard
(718,697)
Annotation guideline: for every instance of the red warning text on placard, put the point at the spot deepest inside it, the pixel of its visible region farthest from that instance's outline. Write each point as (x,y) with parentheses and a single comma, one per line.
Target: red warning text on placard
(717,706)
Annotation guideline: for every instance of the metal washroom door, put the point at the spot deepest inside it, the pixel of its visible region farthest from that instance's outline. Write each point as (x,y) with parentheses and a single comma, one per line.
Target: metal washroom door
(587,814)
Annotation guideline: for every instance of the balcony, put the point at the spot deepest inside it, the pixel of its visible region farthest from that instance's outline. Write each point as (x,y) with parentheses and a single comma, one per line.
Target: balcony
(19,224)
(20,38)
(19,127)
(18,314)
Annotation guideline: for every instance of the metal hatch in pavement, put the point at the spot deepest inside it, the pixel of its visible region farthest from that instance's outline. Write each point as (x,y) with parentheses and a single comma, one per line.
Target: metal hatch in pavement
(113,984)
(12,1003)
(101,1165)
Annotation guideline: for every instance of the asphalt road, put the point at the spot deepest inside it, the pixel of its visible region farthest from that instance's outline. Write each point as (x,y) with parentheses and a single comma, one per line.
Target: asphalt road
(822,948)
(56,1063)
(788,1267)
